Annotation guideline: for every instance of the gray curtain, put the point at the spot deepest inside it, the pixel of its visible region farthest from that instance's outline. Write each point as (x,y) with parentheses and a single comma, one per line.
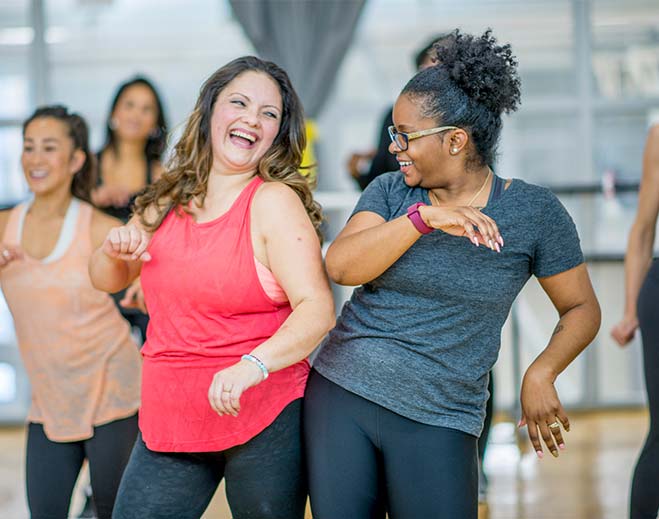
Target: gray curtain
(307,38)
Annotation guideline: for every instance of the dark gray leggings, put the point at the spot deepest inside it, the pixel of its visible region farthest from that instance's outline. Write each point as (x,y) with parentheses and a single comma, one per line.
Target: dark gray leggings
(264,477)
(645,494)
(365,460)
(53,467)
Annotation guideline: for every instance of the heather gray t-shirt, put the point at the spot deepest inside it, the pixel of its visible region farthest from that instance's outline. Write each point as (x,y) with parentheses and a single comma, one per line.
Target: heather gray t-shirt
(421,338)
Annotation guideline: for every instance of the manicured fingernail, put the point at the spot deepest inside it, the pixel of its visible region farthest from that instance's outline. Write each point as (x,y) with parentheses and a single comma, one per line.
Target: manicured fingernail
(554,453)
(489,242)
(561,446)
(519,424)
(497,247)
(540,454)
(500,238)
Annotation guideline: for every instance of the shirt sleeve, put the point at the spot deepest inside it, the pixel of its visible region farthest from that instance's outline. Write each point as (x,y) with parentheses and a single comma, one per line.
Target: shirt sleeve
(375,197)
(558,247)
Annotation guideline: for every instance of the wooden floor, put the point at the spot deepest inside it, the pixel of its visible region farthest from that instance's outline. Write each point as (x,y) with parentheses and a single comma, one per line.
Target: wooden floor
(590,480)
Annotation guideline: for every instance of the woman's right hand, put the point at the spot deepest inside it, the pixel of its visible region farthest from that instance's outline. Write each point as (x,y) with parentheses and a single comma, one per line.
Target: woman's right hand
(464,221)
(9,253)
(127,243)
(624,331)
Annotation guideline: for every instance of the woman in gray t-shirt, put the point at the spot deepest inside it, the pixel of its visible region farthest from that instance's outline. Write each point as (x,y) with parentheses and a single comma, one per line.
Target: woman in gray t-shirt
(396,400)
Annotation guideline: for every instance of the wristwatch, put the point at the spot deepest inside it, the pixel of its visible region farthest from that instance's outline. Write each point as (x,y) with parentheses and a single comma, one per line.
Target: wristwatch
(417,221)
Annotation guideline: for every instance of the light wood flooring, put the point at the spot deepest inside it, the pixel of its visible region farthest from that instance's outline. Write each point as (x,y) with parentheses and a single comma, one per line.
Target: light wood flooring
(590,480)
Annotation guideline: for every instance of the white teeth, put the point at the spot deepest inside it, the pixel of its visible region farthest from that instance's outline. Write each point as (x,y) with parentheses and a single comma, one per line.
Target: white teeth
(38,174)
(404,163)
(247,136)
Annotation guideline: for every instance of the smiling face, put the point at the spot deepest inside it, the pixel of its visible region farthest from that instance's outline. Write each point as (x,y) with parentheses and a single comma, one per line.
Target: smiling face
(49,160)
(245,122)
(425,157)
(136,114)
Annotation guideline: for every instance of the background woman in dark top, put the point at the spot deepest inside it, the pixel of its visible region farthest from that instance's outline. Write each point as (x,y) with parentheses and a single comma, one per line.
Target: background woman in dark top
(136,132)
(396,399)
(135,140)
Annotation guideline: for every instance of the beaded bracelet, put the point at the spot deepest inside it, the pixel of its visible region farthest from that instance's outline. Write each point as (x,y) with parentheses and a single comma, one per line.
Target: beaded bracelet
(260,364)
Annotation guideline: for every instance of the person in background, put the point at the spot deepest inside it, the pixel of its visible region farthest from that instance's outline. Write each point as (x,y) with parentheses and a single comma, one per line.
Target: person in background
(439,250)
(641,296)
(130,160)
(365,166)
(83,366)
(382,161)
(226,243)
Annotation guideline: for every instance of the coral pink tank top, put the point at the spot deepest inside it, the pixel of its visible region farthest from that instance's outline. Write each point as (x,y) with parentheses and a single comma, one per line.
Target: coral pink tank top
(83,366)
(207,308)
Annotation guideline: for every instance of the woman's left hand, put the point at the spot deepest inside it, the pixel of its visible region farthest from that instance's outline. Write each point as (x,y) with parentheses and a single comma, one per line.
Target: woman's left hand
(134,297)
(229,384)
(542,412)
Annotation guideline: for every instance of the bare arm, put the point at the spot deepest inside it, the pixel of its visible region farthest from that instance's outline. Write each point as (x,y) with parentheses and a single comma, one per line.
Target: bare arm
(573,296)
(368,245)
(120,250)
(641,238)
(292,252)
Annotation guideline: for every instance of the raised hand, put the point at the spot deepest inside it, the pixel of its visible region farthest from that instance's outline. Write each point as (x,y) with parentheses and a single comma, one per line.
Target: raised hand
(9,253)
(128,243)
(464,221)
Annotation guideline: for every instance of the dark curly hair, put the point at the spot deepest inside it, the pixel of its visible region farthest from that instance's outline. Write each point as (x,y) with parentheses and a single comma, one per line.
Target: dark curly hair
(83,179)
(473,84)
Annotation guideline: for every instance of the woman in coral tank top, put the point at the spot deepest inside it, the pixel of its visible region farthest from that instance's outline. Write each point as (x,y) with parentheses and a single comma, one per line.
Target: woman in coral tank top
(227,248)
(83,366)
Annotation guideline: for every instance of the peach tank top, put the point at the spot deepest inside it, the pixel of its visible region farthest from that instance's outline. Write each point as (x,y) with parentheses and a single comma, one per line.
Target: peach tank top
(83,366)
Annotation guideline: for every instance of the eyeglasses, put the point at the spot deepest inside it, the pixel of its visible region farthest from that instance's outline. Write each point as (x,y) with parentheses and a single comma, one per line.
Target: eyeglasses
(402,139)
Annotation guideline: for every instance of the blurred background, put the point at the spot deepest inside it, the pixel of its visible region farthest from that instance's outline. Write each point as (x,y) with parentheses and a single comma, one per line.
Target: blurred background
(590,79)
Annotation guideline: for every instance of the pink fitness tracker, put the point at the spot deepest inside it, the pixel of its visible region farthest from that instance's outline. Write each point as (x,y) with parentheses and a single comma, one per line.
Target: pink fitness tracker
(417,221)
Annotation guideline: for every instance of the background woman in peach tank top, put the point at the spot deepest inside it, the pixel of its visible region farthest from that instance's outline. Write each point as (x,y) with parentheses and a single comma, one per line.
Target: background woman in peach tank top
(83,366)
(225,363)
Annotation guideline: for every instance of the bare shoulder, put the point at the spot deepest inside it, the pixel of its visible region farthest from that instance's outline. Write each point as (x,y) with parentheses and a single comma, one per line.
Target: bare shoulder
(276,200)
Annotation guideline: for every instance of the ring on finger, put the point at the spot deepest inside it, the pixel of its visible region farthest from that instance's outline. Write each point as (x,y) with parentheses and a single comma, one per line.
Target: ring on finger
(554,425)
(6,253)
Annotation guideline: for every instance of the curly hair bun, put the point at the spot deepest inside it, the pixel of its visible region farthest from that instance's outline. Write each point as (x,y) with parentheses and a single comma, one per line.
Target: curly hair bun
(484,71)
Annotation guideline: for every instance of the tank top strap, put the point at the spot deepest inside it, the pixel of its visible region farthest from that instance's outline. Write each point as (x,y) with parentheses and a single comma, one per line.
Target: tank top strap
(99,175)
(84,226)
(242,206)
(498,185)
(10,236)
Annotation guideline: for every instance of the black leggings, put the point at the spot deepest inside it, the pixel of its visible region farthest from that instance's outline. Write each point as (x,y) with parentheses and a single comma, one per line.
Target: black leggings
(52,468)
(645,484)
(487,424)
(365,460)
(264,477)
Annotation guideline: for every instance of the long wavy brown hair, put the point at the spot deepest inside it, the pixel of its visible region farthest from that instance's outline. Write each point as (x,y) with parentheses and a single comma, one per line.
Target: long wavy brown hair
(186,174)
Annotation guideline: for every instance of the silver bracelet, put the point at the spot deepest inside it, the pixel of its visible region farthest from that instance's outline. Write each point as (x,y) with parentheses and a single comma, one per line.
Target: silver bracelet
(258,362)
